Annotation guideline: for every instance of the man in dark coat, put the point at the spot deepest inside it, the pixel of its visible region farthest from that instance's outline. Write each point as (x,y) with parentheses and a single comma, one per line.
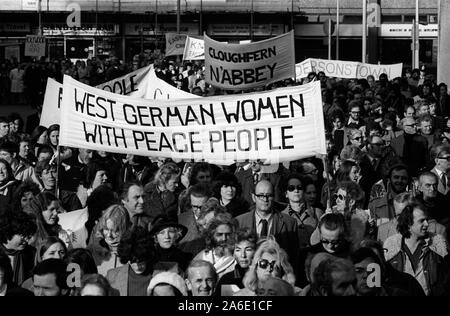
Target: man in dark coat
(265,221)
(411,147)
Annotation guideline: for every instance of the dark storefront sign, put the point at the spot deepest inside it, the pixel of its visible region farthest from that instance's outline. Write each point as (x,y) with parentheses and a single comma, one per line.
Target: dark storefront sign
(88,29)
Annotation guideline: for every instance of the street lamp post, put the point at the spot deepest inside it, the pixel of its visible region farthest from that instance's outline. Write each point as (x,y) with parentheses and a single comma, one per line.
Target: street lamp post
(251,23)
(416,39)
(40,17)
(337,29)
(178,16)
(364,31)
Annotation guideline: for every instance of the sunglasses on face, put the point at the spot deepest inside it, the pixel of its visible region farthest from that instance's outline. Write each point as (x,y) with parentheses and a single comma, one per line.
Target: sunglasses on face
(292,188)
(340,197)
(445,158)
(264,196)
(358,138)
(264,264)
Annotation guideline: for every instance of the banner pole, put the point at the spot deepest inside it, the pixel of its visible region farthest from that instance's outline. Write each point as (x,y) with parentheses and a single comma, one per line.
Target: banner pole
(58,162)
(325,163)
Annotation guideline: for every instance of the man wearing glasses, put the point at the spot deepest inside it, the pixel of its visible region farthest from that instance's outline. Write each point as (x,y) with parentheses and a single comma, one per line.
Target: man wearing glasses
(264,220)
(354,120)
(411,147)
(441,168)
(193,241)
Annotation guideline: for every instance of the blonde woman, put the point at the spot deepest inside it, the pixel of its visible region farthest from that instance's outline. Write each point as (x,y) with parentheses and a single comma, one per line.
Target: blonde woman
(108,233)
(269,260)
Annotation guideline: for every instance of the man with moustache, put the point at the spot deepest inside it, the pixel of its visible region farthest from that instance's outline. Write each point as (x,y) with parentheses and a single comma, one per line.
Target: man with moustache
(219,237)
(382,206)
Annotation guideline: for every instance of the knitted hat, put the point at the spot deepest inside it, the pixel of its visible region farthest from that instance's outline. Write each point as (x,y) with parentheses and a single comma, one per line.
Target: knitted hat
(170,278)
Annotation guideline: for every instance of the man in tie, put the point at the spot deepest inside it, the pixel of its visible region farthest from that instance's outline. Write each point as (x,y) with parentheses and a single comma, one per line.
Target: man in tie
(264,220)
(441,168)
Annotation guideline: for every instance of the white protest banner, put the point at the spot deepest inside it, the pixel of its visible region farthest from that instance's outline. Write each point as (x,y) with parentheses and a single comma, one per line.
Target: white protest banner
(194,49)
(51,108)
(158,89)
(280,125)
(346,69)
(175,44)
(35,46)
(247,66)
(133,84)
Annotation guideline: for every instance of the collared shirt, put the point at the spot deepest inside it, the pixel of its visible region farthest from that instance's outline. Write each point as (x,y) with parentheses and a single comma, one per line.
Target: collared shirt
(258,218)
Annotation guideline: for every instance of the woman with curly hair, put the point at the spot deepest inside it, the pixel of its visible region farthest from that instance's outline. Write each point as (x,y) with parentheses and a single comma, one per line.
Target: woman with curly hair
(106,238)
(23,195)
(227,190)
(137,255)
(159,195)
(269,260)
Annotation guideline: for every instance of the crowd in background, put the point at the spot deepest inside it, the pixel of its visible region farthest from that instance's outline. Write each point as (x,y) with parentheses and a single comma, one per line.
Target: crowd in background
(313,227)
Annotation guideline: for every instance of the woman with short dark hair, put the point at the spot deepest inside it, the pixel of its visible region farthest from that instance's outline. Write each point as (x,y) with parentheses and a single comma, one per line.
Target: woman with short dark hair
(227,190)
(16,230)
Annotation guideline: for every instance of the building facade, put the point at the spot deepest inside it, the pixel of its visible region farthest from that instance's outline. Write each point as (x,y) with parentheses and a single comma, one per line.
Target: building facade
(124,28)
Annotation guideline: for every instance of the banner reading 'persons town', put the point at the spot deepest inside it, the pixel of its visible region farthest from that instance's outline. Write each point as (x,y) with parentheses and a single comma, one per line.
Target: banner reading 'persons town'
(133,84)
(247,66)
(346,69)
(280,125)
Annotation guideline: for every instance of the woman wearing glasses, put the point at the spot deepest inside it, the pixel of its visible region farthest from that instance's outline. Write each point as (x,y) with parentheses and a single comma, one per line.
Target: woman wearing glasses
(306,216)
(16,229)
(269,260)
(108,232)
(348,170)
(349,199)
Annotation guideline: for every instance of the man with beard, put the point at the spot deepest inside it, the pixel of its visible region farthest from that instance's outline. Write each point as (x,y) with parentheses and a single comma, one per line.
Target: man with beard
(418,252)
(219,237)
(382,206)
(435,202)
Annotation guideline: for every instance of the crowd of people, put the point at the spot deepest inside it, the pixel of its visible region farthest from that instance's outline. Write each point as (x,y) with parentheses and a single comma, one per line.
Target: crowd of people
(139,226)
